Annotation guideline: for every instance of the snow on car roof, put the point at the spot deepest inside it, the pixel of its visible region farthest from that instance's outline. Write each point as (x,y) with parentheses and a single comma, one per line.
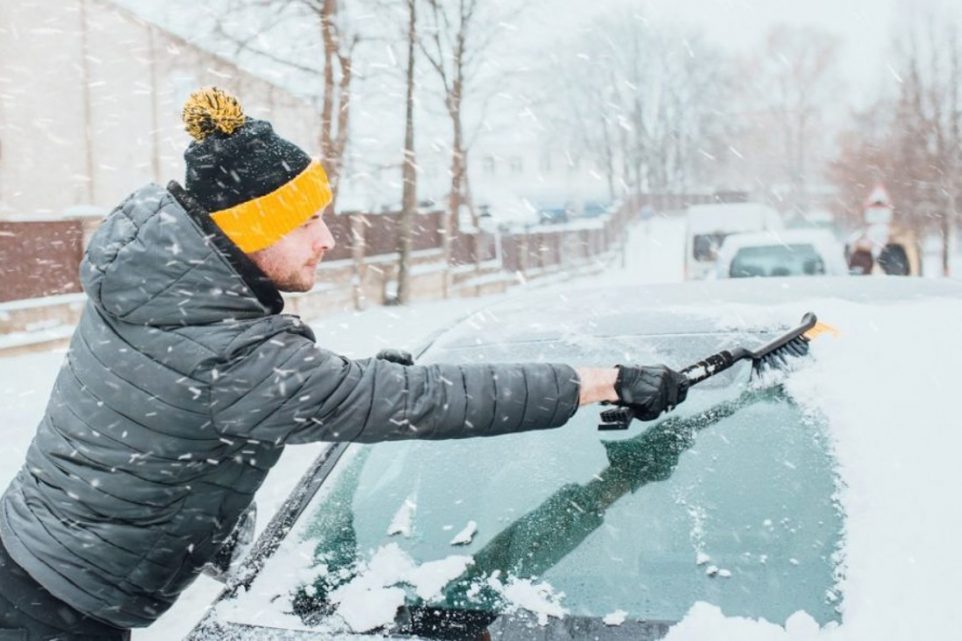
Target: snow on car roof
(816,237)
(731,217)
(693,307)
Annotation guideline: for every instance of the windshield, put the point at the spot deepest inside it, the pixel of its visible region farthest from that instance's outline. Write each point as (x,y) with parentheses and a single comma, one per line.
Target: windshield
(777,260)
(729,501)
(704,247)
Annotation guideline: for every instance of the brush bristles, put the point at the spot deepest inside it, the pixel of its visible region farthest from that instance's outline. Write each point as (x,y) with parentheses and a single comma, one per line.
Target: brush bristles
(777,359)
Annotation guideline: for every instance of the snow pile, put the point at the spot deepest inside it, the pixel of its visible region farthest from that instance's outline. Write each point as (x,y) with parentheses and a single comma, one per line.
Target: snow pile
(401,523)
(291,565)
(465,536)
(371,599)
(524,594)
(368,601)
(706,621)
(887,387)
(714,570)
(615,618)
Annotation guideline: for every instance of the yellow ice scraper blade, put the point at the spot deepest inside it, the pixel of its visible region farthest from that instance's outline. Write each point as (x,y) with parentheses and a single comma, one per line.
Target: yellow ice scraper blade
(819,329)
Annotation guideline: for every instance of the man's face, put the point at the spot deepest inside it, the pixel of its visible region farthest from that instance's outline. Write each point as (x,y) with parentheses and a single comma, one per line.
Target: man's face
(291,262)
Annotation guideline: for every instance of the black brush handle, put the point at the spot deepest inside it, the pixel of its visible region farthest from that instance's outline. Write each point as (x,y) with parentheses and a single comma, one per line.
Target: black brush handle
(714,364)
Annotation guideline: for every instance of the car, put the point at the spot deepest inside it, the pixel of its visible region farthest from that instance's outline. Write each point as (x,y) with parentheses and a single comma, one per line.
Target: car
(707,226)
(790,252)
(731,499)
(554,214)
(595,208)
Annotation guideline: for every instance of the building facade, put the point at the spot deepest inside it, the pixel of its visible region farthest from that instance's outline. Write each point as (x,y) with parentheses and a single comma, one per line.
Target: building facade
(90,100)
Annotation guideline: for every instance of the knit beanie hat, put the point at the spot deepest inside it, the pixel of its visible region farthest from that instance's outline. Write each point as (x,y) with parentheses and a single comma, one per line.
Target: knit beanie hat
(256,186)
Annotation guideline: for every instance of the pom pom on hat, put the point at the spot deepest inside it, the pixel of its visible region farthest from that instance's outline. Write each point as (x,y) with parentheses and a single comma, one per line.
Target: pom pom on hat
(211,109)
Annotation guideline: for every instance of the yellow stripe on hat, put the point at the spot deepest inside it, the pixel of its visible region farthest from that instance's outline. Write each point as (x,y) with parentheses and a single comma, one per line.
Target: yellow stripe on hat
(261,222)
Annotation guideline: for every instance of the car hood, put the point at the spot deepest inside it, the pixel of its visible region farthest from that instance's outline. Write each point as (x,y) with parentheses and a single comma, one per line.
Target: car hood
(694,307)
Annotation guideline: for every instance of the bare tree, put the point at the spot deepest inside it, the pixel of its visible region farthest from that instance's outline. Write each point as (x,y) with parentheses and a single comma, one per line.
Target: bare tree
(409,168)
(912,140)
(250,25)
(455,36)
(340,48)
(931,55)
(643,101)
(793,78)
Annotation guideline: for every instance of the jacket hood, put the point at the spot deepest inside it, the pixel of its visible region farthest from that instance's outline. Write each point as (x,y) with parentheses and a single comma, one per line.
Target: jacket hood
(160,260)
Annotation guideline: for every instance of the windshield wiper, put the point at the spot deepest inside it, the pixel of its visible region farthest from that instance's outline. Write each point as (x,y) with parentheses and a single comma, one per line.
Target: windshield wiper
(445,624)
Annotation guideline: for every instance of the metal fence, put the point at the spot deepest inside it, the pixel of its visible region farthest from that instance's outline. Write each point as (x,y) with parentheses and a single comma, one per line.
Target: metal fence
(43,258)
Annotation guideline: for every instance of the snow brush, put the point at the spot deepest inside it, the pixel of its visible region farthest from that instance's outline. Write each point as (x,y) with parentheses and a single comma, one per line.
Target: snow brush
(774,355)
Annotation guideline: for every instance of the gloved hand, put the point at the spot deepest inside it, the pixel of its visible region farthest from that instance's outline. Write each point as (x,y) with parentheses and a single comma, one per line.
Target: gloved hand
(647,391)
(398,356)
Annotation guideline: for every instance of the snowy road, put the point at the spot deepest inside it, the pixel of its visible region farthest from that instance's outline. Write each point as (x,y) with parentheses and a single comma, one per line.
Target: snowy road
(653,254)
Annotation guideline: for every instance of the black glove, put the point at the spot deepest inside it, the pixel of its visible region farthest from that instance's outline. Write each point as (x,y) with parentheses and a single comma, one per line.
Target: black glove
(649,390)
(398,356)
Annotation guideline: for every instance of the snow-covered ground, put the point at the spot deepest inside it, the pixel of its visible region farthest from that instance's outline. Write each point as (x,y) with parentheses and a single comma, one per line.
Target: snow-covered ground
(892,425)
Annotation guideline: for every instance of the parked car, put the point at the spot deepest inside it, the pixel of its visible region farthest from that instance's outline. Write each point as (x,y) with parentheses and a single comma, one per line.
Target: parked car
(709,225)
(554,213)
(595,208)
(731,499)
(790,252)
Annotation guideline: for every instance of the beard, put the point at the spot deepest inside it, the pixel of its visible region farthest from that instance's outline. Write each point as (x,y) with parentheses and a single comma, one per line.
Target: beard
(285,276)
(296,281)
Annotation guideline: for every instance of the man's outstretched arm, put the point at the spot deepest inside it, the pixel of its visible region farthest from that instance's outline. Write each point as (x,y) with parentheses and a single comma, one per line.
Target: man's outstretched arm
(293,391)
(597,385)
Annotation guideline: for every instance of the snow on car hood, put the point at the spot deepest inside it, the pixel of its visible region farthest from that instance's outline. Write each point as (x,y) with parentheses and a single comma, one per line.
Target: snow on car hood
(887,388)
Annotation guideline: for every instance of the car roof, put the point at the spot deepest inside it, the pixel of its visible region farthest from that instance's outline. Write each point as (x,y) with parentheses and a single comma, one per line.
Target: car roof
(731,217)
(691,307)
(816,237)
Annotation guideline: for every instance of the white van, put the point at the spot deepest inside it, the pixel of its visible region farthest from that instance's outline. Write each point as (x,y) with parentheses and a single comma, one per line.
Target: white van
(708,225)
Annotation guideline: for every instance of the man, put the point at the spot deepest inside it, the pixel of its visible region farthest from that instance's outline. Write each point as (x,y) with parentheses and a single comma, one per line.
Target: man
(184,382)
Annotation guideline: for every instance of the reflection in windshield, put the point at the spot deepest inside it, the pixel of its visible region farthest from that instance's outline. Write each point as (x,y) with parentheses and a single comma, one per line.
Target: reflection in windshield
(650,555)
(535,543)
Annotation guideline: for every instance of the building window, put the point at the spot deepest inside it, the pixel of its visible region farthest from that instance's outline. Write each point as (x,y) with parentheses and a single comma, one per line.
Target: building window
(516,165)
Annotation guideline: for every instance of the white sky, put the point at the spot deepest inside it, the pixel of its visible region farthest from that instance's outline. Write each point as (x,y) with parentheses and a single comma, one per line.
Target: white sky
(865,27)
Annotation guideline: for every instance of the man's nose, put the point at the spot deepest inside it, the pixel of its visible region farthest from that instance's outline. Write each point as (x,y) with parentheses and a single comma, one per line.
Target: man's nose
(325,240)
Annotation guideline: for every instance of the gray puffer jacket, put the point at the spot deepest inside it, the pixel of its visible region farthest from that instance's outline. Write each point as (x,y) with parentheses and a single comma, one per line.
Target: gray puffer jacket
(182,385)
